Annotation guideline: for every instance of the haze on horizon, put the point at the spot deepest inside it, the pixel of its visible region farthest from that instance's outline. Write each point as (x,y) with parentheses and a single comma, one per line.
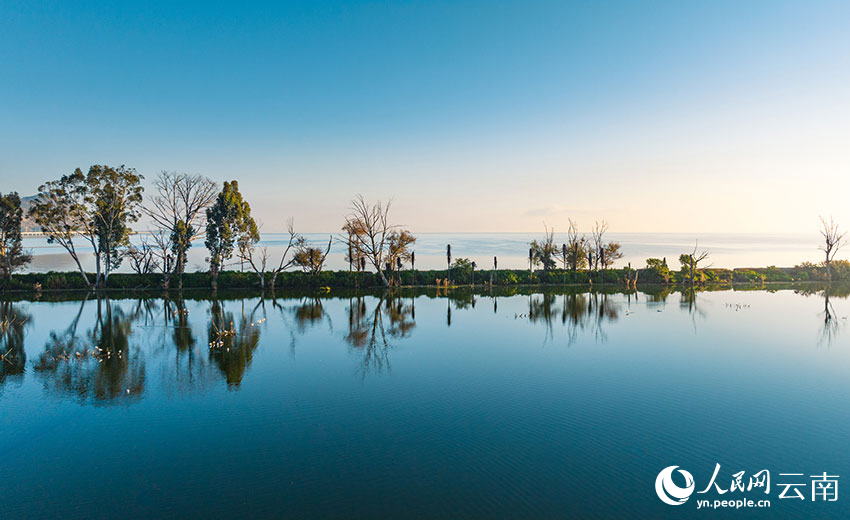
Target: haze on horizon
(472,116)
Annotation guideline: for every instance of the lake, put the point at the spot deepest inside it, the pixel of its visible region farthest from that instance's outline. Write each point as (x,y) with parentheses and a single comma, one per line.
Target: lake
(727,250)
(526,403)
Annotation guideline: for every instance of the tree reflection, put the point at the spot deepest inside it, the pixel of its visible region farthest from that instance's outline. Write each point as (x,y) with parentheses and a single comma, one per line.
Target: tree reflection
(579,311)
(189,368)
(370,335)
(13,358)
(101,366)
(829,330)
(232,341)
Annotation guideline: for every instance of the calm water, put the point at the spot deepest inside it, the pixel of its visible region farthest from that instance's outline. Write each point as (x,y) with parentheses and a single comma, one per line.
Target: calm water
(525,405)
(727,249)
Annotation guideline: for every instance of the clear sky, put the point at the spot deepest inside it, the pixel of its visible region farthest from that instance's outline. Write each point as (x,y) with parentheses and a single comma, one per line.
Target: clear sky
(472,116)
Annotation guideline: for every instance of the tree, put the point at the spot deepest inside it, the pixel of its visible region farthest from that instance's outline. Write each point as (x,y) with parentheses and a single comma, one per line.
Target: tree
(284,263)
(369,229)
(576,248)
(659,269)
(833,241)
(610,254)
(178,209)
(114,196)
(690,262)
(398,250)
(597,238)
(60,210)
(448,262)
(310,258)
(142,257)
(246,243)
(545,251)
(228,219)
(12,254)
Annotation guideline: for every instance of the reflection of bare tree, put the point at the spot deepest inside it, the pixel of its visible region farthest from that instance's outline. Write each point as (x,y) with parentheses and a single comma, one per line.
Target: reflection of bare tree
(605,310)
(578,312)
(13,358)
(540,310)
(689,302)
(831,326)
(101,365)
(309,313)
(232,342)
(370,335)
(189,369)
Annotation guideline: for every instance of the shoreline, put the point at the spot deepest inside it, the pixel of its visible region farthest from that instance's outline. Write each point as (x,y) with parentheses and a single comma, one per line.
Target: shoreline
(327,281)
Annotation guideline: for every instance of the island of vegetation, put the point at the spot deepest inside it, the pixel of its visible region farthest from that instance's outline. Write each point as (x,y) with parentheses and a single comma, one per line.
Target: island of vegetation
(97,209)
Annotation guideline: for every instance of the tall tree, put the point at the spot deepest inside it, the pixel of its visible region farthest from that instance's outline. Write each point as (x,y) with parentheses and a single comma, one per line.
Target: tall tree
(833,240)
(61,211)
(114,196)
(177,208)
(12,254)
(369,227)
(228,219)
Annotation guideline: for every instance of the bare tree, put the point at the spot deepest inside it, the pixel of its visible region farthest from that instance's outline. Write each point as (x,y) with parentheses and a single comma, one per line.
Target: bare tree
(690,261)
(576,248)
(369,223)
(161,251)
(597,237)
(178,210)
(284,263)
(256,258)
(142,257)
(833,240)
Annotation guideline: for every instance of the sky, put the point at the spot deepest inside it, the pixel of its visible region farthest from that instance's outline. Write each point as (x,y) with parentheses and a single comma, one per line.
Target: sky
(471,116)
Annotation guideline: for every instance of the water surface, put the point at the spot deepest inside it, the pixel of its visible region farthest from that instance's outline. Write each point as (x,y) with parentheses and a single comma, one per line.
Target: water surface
(529,404)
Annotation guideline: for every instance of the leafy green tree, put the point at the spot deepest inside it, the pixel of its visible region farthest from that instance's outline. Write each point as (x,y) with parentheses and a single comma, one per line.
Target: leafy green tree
(181,241)
(228,220)
(114,197)
(659,269)
(61,211)
(12,254)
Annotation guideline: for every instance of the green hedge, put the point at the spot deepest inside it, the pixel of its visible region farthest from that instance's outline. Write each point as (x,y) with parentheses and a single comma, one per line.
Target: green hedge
(458,276)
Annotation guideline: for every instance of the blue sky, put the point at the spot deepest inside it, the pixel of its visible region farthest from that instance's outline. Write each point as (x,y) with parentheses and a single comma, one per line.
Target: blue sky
(472,116)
